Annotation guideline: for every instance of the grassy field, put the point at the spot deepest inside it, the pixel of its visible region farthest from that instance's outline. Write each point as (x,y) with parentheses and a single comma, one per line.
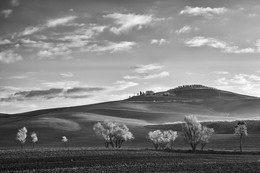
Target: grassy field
(126,160)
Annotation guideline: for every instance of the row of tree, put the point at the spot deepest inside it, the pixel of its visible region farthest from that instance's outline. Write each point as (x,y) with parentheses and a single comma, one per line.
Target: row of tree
(22,135)
(115,134)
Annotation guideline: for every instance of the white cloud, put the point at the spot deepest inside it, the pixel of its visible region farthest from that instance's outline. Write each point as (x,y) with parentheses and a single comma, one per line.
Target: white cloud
(62,84)
(56,50)
(122,85)
(221,72)
(14,3)
(218,44)
(30,30)
(9,56)
(60,21)
(162,41)
(129,21)
(18,77)
(145,72)
(6,13)
(147,68)
(184,29)
(51,23)
(111,47)
(243,83)
(4,41)
(201,11)
(67,74)
(157,75)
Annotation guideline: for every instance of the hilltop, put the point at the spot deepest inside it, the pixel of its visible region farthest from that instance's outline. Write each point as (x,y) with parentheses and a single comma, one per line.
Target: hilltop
(138,113)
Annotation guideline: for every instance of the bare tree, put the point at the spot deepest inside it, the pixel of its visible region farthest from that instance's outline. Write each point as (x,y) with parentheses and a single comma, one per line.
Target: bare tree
(34,138)
(241,131)
(21,136)
(113,133)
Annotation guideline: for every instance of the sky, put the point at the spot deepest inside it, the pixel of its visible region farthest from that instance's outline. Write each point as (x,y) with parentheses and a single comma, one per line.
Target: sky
(58,53)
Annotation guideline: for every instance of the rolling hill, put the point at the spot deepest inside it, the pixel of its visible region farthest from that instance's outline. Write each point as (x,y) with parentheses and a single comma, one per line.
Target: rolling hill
(141,114)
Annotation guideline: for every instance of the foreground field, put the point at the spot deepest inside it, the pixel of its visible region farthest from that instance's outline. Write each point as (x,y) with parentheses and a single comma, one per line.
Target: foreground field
(131,160)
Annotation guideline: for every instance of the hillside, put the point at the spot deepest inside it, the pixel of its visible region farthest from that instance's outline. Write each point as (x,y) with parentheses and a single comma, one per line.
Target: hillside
(137,112)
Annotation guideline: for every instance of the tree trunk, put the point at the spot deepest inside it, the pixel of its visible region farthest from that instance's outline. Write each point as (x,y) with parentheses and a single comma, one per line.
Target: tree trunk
(193,146)
(202,146)
(21,146)
(33,144)
(240,143)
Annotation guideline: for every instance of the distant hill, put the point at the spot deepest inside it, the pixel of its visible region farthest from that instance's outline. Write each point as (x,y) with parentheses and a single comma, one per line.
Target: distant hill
(137,112)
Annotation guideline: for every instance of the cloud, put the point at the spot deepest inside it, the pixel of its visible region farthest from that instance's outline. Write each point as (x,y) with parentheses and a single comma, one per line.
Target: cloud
(84,89)
(5,41)
(60,21)
(111,47)
(68,74)
(122,85)
(6,13)
(201,11)
(62,84)
(126,22)
(18,77)
(30,30)
(184,29)
(45,94)
(158,75)
(221,72)
(218,44)
(145,72)
(244,83)
(147,68)
(9,56)
(14,3)
(49,24)
(56,50)
(162,41)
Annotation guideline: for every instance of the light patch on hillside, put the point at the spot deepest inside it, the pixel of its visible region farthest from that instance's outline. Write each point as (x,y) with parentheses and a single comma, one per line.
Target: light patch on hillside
(97,117)
(58,123)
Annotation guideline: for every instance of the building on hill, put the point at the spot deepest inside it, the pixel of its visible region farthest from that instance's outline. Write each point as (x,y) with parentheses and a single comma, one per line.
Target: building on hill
(166,94)
(149,93)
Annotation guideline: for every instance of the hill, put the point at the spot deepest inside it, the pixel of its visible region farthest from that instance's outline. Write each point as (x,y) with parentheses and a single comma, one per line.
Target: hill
(139,113)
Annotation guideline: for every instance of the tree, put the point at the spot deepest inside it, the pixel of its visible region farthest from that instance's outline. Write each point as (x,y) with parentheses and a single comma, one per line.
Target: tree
(192,131)
(65,140)
(113,133)
(21,136)
(172,136)
(241,131)
(155,138)
(34,138)
(162,139)
(206,134)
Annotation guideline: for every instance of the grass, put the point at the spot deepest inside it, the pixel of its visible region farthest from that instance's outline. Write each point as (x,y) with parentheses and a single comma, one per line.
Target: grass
(123,160)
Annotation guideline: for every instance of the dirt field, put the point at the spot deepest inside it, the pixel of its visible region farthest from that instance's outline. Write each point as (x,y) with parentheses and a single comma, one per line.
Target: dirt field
(126,160)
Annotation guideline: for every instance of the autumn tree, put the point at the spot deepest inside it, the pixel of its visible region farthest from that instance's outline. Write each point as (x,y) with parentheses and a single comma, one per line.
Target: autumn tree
(206,134)
(34,138)
(192,131)
(241,131)
(21,136)
(162,139)
(113,133)
(64,139)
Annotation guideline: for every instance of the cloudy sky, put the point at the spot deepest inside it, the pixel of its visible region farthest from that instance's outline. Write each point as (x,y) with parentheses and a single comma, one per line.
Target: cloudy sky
(56,53)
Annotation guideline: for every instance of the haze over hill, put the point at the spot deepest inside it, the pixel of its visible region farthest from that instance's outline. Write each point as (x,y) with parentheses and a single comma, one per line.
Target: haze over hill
(208,104)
